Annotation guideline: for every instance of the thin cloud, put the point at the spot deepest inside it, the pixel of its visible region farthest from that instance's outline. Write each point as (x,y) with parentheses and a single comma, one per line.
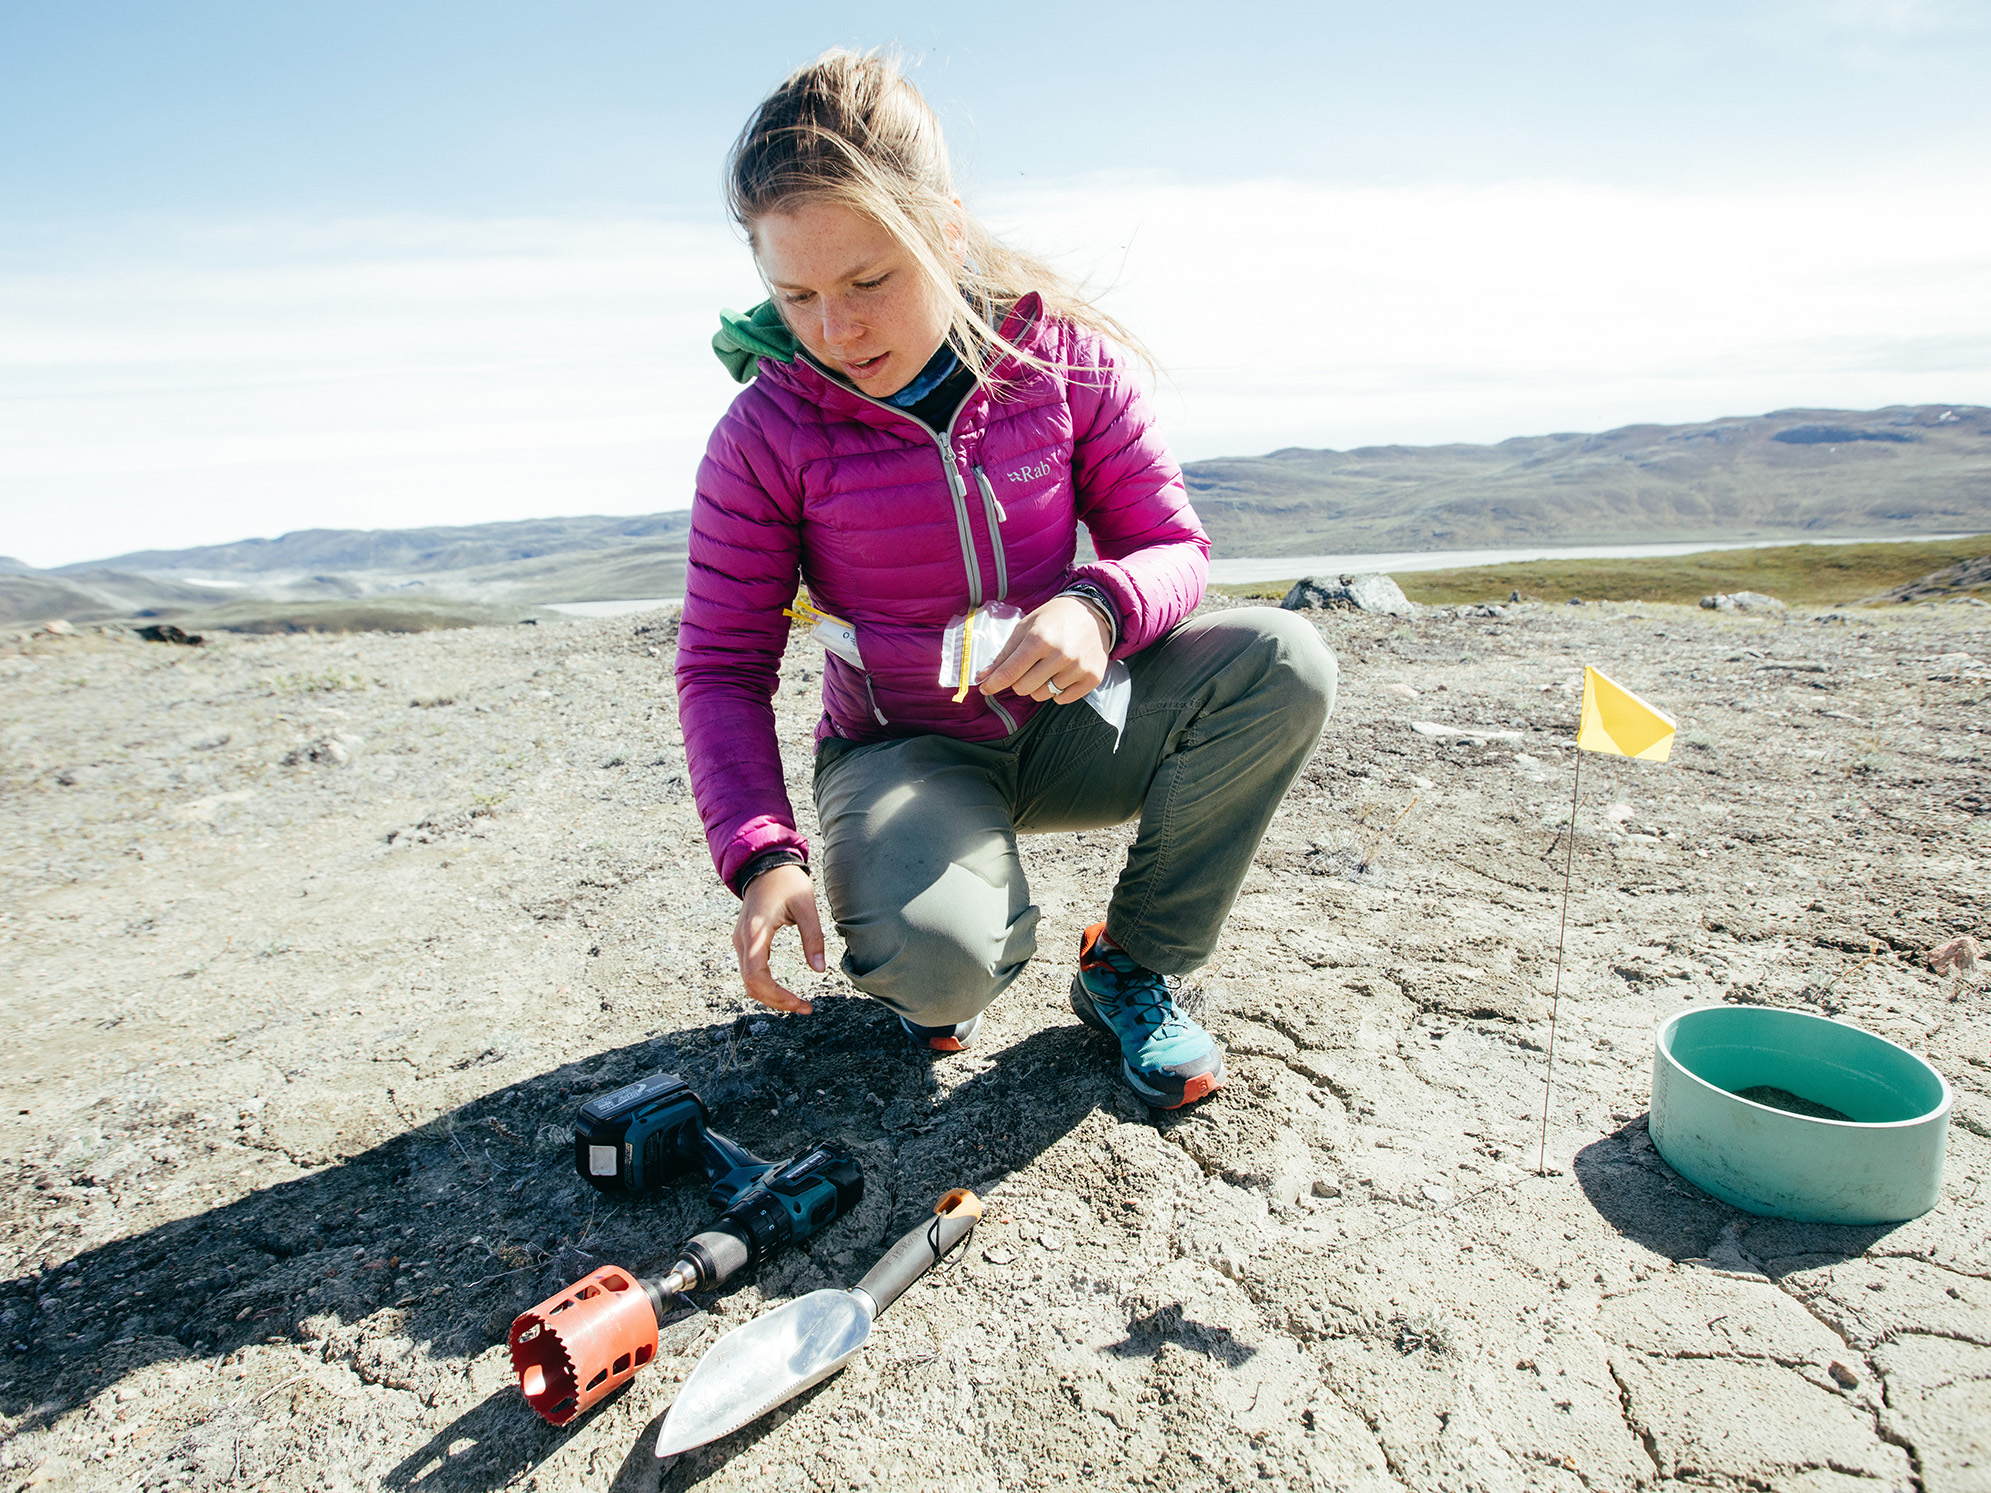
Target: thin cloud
(1317,316)
(252,378)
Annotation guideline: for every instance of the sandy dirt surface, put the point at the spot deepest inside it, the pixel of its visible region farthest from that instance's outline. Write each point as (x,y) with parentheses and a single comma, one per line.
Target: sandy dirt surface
(313,945)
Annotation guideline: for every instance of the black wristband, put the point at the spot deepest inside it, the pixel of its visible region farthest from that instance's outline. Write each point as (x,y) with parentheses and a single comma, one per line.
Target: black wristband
(766,861)
(1102,603)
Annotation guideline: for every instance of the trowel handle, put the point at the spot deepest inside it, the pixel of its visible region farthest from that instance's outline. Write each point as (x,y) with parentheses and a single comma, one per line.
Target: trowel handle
(920,1250)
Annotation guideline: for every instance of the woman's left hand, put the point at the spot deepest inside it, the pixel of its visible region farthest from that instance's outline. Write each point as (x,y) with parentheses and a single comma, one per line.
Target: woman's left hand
(1058,653)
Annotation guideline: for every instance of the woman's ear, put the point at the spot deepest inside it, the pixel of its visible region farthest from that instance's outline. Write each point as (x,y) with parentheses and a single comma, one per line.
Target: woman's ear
(956,235)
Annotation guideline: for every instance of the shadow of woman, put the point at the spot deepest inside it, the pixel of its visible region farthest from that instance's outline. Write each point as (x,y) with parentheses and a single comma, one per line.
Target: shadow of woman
(437,1237)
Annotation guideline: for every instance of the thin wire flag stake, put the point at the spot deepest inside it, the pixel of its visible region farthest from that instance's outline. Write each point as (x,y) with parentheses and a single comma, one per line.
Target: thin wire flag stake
(1617,722)
(1555,1001)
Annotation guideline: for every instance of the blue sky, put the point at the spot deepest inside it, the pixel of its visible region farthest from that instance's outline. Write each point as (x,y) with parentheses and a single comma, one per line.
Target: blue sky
(275,266)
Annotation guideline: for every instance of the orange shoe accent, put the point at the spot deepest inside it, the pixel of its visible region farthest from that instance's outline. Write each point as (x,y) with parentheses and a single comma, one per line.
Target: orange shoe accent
(1089,941)
(945,1044)
(1199,1087)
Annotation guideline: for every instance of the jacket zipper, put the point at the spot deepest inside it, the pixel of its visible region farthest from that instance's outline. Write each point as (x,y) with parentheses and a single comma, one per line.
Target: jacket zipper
(993,511)
(957,489)
(872,695)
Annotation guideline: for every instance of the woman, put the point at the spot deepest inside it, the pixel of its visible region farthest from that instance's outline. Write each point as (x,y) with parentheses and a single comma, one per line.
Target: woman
(929,415)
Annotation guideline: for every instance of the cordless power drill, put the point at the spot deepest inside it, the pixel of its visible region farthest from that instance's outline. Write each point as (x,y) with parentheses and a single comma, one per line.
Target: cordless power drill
(578,1346)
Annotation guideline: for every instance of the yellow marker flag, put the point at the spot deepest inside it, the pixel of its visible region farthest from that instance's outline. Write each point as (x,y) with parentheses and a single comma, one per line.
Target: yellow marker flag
(1617,721)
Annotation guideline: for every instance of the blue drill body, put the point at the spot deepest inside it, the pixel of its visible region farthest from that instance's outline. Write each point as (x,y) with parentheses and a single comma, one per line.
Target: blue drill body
(647,1134)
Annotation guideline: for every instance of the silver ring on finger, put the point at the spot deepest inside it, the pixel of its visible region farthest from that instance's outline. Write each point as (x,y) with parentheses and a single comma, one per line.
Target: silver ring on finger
(1052,686)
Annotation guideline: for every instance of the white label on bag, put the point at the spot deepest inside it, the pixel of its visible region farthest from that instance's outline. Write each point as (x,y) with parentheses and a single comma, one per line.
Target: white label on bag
(1111,696)
(840,638)
(835,634)
(601,1161)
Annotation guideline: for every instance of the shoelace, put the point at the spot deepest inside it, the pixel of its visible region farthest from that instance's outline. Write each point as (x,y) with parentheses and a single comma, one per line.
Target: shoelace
(1142,993)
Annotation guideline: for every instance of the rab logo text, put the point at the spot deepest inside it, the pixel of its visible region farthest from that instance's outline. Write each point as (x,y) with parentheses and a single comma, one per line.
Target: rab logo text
(1031,474)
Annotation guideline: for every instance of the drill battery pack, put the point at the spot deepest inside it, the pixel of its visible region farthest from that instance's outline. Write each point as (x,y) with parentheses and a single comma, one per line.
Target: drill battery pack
(640,1137)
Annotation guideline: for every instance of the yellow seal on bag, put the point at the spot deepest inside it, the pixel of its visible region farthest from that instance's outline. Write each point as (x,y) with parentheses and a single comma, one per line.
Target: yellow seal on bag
(835,634)
(971,644)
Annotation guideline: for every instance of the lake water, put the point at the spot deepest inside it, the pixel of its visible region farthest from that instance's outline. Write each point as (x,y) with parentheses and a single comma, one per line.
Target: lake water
(609,608)
(1292,567)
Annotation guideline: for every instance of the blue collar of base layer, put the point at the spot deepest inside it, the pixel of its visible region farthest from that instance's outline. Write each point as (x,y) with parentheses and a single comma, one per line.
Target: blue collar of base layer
(939,368)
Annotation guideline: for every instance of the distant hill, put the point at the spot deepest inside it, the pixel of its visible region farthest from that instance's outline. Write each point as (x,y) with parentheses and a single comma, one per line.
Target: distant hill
(309,573)
(1790,475)
(95,593)
(1794,474)
(410,551)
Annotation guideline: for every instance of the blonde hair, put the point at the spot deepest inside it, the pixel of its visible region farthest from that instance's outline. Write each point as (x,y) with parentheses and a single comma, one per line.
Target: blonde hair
(850,129)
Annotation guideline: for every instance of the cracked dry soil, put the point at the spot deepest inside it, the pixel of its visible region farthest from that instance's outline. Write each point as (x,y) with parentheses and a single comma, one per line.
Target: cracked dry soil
(313,945)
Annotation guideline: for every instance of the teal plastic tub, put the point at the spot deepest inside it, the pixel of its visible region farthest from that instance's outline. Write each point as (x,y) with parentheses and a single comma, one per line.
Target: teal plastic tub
(1840,1126)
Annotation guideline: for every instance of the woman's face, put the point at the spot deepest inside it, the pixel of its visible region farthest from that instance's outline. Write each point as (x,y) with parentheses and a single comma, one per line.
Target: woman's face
(851,294)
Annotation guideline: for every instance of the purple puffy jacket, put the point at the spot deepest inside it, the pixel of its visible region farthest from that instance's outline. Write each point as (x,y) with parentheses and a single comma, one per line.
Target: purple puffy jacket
(900,531)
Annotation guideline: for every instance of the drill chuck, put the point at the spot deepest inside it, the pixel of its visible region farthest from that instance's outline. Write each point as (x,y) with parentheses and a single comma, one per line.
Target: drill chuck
(788,1206)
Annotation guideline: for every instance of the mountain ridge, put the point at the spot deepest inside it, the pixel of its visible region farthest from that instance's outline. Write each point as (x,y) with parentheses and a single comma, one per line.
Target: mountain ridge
(430,547)
(1793,474)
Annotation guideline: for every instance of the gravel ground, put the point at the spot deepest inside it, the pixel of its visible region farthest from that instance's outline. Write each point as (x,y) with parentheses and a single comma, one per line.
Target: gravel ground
(310,946)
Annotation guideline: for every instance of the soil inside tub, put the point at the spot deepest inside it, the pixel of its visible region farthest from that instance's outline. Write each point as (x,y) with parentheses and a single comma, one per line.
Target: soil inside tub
(1796,1104)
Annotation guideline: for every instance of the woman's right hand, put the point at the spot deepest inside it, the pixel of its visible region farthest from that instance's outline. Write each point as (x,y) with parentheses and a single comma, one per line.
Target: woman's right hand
(775,900)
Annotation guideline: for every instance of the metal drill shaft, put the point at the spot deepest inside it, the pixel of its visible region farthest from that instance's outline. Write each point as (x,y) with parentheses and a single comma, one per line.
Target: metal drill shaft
(683,1276)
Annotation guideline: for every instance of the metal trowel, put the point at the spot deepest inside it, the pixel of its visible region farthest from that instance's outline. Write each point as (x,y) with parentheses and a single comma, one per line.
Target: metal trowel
(773,1358)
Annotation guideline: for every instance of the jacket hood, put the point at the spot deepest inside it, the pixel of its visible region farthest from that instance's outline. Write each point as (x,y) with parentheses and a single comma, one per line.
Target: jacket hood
(743,340)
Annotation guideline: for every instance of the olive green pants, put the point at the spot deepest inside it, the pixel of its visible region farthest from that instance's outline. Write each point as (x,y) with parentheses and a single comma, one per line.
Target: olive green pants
(919,835)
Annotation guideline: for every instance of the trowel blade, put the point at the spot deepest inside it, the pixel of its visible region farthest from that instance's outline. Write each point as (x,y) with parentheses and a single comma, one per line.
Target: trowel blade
(759,1365)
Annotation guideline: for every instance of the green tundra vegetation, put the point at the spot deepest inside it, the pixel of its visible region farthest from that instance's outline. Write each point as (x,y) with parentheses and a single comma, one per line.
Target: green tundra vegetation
(1808,574)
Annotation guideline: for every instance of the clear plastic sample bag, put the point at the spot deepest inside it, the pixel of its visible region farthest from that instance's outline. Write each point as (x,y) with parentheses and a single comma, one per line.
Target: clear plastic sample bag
(971,643)
(835,634)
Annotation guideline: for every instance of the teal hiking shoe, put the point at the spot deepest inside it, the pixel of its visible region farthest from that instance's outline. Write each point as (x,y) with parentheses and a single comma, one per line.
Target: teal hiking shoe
(943,1038)
(1165,1057)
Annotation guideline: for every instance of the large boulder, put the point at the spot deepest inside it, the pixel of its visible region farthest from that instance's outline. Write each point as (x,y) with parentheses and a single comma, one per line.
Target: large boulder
(1350,593)
(1959,577)
(1742,601)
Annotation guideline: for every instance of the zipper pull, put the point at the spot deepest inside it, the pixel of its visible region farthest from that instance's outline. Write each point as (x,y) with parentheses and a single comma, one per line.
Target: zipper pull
(988,489)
